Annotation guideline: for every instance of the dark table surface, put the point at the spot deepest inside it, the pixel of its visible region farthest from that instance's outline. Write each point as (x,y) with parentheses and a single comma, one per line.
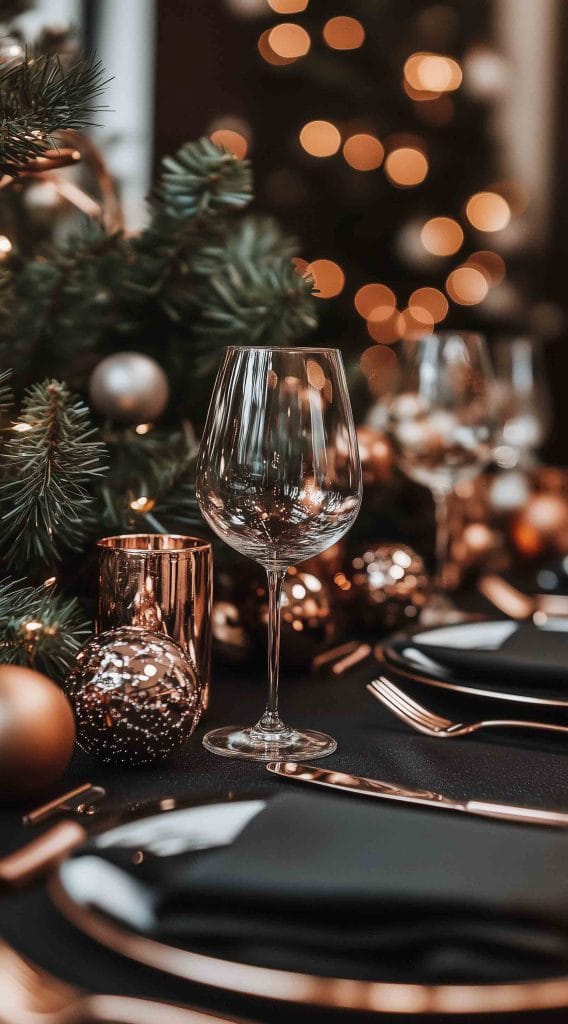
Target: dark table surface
(517,769)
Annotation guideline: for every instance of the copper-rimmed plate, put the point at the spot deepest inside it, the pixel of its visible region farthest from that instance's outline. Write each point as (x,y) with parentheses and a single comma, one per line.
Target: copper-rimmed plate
(80,902)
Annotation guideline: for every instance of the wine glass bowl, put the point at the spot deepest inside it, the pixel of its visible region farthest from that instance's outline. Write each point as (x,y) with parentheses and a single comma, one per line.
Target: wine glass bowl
(278,479)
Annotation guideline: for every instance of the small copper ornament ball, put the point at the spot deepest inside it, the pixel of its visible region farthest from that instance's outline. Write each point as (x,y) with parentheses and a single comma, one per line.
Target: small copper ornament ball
(129,387)
(386,583)
(37,732)
(136,696)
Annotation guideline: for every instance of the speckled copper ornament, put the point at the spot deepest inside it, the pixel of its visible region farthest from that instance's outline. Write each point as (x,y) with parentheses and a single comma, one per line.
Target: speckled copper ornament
(136,696)
(387,584)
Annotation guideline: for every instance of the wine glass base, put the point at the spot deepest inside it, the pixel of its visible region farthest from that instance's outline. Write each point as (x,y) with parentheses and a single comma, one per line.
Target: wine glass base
(293,745)
(440,610)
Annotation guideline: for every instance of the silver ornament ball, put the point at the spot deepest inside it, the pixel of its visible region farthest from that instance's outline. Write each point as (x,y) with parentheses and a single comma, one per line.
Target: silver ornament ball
(129,387)
(136,696)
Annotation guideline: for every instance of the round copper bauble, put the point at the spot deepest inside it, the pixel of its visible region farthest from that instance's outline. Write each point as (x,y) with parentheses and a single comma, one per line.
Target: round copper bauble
(37,732)
(240,616)
(129,387)
(136,696)
(386,584)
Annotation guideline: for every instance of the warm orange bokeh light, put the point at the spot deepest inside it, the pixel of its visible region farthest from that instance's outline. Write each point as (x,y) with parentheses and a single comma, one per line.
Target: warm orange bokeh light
(320,138)
(432,72)
(387,329)
(300,265)
(233,141)
(268,54)
(289,40)
(363,152)
(413,327)
(488,211)
(491,265)
(328,276)
(288,6)
(406,167)
(380,366)
(343,33)
(467,286)
(442,236)
(428,305)
(374,296)
(420,95)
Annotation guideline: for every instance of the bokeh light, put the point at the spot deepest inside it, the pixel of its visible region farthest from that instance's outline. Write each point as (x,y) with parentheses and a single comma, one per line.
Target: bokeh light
(320,138)
(491,265)
(428,306)
(329,279)
(442,236)
(387,329)
(372,297)
(226,138)
(300,265)
(488,211)
(467,286)
(288,6)
(412,327)
(268,54)
(432,72)
(289,40)
(380,366)
(343,33)
(5,246)
(363,152)
(406,167)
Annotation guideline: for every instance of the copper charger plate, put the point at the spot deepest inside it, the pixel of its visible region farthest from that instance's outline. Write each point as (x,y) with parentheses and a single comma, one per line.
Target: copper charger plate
(292,987)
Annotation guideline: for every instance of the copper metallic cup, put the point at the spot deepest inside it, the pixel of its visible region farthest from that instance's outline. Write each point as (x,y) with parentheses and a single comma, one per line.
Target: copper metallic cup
(161,582)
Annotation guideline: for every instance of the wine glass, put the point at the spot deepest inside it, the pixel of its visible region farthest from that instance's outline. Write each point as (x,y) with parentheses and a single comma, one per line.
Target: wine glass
(441,420)
(279,479)
(523,400)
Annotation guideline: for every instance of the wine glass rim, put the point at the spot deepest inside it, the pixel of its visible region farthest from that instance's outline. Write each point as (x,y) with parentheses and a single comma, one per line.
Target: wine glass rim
(279,348)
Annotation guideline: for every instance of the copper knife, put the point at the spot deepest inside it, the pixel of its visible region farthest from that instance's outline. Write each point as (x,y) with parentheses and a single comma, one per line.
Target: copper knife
(422,797)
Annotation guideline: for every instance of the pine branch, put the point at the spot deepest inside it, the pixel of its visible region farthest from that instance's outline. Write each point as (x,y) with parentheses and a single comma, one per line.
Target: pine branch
(6,395)
(44,501)
(39,628)
(39,98)
(202,179)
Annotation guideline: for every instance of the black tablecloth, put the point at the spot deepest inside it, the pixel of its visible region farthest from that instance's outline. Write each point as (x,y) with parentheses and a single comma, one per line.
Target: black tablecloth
(521,769)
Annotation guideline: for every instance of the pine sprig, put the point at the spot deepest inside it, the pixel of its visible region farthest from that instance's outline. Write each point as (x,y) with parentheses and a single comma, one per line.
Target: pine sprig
(40,628)
(6,395)
(45,503)
(202,179)
(38,98)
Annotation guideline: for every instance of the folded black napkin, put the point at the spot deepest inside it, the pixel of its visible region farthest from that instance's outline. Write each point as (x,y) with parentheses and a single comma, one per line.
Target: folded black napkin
(350,888)
(524,653)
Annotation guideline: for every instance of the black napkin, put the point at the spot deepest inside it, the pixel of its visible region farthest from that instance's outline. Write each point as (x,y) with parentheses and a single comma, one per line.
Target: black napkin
(534,658)
(360,889)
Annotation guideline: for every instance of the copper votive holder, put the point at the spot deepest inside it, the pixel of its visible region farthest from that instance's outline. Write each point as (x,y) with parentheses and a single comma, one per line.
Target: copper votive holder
(161,582)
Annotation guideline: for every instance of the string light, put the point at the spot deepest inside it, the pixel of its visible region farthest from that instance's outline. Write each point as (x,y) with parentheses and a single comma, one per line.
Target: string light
(372,297)
(442,236)
(300,265)
(344,33)
(363,152)
(329,279)
(289,40)
(320,138)
(143,428)
(488,211)
(226,138)
(142,504)
(268,54)
(467,286)
(5,246)
(22,428)
(412,327)
(406,167)
(432,72)
(380,366)
(288,6)
(491,265)
(428,305)
(385,331)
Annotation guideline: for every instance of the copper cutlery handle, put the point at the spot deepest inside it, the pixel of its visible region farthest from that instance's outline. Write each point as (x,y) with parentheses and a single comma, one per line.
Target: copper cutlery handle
(31,861)
(131,1010)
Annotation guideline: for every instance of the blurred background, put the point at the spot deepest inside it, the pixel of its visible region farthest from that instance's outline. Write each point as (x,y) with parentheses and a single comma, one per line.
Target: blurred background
(418,151)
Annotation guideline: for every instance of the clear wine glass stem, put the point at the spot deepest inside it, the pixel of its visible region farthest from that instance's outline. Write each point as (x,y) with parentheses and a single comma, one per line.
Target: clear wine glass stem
(271,725)
(442,511)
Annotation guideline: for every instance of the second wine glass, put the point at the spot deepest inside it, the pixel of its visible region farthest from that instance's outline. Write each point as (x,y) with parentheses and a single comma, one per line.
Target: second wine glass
(279,479)
(442,423)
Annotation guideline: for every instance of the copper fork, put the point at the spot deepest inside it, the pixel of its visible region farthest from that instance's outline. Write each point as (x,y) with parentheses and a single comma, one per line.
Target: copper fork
(29,995)
(431,724)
